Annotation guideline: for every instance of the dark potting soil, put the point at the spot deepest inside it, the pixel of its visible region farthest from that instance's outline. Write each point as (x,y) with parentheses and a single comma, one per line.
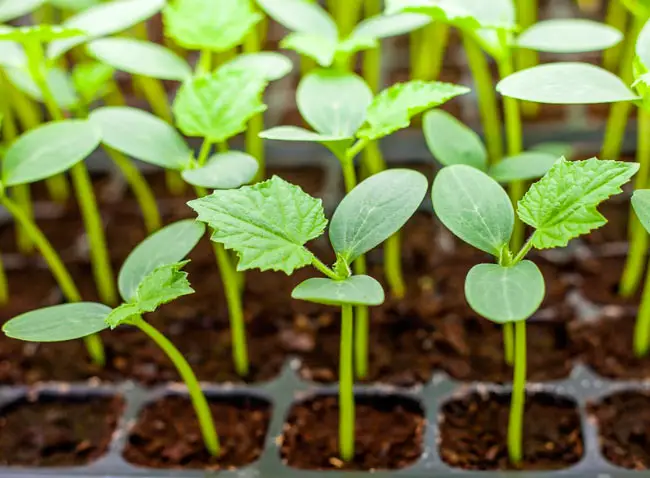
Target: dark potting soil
(310,440)
(474,429)
(607,347)
(167,434)
(29,288)
(600,281)
(616,230)
(57,431)
(623,421)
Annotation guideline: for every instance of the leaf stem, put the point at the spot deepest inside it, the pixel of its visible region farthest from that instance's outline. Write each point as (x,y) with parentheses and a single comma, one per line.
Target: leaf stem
(518,398)
(487,100)
(393,265)
(204,153)
(508,344)
(318,264)
(255,144)
(346,386)
(58,268)
(204,65)
(616,17)
(430,46)
(199,402)
(524,250)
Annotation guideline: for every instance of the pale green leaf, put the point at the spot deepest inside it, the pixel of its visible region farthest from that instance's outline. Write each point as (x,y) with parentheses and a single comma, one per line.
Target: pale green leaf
(219,105)
(162,285)
(375,210)
(643,46)
(569,35)
(302,16)
(556,148)
(333,103)
(295,133)
(451,142)
(12,54)
(641,205)
(123,314)
(386,26)
(140,58)
(58,80)
(268,64)
(92,80)
(522,167)
(105,19)
(141,135)
(73,5)
(47,150)
(12,9)
(169,245)
(355,290)
(39,33)
(445,11)
(394,107)
(228,170)
(201,24)
(58,323)
(566,83)
(354,44)
(318,48)
(474,207)
(505,294)
(266,224)
(562,205)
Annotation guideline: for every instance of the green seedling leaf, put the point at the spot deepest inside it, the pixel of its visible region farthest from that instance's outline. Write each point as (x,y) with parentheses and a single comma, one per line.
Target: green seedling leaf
(355,290)
(169,245)
(58,323)
(445,11)
(58,80)
(301,16)
(375,210)
(12,54)
(562,205)
(141,135)
(641,205)
(219,105)
(474,207)
(228,170)
(333,103)
(386,26)
(266,224)
(555,148)
(522,167)
(354,44)
(320,49)
(92,80)
(643,46)
(394,107)
(569,35)
(104,19)
(295,133)
(12,9)
(566,83)
(39,33)
(505,294)
(140,58)
(451,142)
(267,64)
(73,5)
(123,314)
(164,284)
(200,25)
(48,150)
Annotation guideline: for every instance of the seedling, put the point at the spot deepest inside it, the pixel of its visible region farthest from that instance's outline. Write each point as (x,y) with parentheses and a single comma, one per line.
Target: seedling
(151,276)
(346,118)
(268,224)
(559,207)
(641,205)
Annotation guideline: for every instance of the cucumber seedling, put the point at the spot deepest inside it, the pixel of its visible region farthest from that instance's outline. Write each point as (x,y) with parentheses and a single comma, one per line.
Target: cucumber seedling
(268,224)
(151,276)
(559,207)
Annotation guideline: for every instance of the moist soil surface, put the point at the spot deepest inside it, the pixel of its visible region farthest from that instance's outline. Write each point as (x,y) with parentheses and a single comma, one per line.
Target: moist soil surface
(310,440)
(474,429)
(623,423)
(600,280)
(167,434)
(57,431)
(607,344)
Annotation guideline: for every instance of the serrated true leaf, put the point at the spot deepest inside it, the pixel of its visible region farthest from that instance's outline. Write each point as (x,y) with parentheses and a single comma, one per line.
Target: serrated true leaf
(522,167)
(320,49)
(505,294)
(394,107)
(569,35)
(169,245)
(355,290)
(122,314)
(92,80)
(162,285)
(451,142)
(474,207)
(228,170)
(50,149)
(375,210)
(266,224)
(562,205)
(58,323)
(218,106)
(200,24)
(641,205)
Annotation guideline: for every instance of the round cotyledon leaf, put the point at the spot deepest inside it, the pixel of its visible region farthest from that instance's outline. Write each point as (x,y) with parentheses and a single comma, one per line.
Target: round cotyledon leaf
(355,290)
(228,170)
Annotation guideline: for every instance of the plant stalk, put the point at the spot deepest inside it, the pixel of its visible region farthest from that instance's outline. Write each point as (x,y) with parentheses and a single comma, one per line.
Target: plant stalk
(518,398)
(642,325)
(255,144)
(59,271)
(199,402)
(527,13)
(617,18)
(429,47)
(346,386)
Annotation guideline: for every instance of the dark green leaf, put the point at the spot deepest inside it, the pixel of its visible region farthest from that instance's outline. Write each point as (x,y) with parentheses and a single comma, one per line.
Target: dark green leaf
(355,290)
(524,166)
(228,170)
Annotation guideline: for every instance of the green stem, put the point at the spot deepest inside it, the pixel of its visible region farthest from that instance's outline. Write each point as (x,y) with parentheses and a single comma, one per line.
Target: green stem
(642,326)
(633,271)
(617,18)
(318,264)
(619,112)
(518,398)
(255,144)
(527,13)
(346,13)
(222,146)
(361,327)
(346,386)
(56,265)
(487,100)
(430,51)
(204,153)
(508,344)
(199,402)
(204,65)
(393,265)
